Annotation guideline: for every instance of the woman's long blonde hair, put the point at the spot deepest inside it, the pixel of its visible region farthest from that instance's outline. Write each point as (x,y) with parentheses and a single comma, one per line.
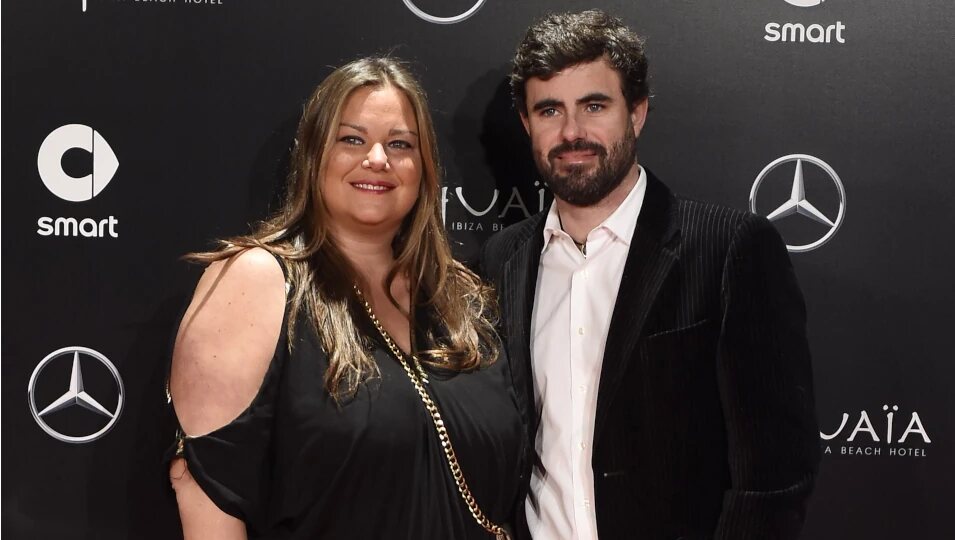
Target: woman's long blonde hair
(460,328)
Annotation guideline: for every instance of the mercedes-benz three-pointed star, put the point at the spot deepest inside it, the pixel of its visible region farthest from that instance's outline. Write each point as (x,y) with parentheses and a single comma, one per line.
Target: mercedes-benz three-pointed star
(76,395)
(797,202)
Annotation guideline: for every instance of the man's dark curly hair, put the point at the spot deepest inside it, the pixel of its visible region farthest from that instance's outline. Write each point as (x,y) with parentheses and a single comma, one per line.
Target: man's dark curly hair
(562,40)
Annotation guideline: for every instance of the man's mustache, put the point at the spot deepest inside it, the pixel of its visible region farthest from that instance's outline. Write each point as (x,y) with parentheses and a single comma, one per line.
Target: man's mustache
(580,145)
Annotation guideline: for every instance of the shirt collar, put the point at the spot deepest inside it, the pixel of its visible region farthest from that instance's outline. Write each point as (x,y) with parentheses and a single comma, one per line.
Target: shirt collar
(621,223)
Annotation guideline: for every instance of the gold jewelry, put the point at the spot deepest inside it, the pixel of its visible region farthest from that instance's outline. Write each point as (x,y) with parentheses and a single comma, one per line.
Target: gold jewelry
(390,342)
(418,380)
(180,435)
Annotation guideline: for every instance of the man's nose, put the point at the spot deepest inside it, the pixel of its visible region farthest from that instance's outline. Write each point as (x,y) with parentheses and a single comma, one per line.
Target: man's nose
(572,129)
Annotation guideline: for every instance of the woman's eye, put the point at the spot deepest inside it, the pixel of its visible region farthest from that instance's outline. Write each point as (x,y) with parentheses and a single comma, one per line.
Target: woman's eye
(402,145)
(351,139)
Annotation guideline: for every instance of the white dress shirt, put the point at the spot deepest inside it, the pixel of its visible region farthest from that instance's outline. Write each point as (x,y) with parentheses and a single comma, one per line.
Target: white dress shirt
(573,304)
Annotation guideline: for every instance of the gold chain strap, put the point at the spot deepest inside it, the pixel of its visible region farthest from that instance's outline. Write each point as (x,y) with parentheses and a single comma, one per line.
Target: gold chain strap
(418,381)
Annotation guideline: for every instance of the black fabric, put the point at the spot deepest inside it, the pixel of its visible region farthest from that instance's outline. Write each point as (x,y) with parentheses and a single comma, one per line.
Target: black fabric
(705,424)
(296,465)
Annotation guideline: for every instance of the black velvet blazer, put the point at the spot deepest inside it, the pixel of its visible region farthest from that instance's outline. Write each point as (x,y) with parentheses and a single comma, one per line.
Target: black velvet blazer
(705,423)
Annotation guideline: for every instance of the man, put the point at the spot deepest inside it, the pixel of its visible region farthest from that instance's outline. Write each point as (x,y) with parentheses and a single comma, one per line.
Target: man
(659,342)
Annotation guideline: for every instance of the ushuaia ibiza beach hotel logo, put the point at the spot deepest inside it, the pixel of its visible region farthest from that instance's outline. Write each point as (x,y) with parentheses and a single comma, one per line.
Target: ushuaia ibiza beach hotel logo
(889,432)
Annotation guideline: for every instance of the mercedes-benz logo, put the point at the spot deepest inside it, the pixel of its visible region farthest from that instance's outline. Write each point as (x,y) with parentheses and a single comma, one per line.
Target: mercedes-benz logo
(798,204)
(444,20)
(75,395)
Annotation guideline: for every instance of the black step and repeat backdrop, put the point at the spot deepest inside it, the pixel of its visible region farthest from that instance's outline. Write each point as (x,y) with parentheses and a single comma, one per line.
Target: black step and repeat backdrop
(136,130)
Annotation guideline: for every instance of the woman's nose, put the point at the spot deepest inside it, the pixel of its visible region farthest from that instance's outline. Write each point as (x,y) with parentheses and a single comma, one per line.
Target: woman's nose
(377,158)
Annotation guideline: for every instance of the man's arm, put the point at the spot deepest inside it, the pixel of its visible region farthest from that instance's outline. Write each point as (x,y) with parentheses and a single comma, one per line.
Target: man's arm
(489,263)
(766,389)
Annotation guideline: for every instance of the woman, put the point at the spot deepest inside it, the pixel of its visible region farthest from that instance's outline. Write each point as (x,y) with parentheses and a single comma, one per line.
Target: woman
(327,358)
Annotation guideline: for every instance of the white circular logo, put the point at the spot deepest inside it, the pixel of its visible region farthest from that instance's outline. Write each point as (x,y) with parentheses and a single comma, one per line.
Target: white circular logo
(444,20)
(76,394)
(49,162)
(805,3)
(798,203)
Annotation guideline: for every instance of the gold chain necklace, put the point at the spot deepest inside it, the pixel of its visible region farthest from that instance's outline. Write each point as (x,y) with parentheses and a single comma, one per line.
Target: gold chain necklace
(419,380)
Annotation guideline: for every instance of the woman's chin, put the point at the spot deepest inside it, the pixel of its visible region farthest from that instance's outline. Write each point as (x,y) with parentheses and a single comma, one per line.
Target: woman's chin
(373,222)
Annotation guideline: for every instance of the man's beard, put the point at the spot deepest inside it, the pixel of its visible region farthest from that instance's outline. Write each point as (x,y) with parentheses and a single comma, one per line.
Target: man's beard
(580,188)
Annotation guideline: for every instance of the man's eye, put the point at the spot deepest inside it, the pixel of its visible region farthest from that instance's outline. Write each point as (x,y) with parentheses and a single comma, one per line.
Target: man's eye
(351,139)
(595,107)
(550,111)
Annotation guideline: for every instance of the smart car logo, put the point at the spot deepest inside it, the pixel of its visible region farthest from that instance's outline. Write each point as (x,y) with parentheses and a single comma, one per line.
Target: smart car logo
(798,203)
(444,20)
(50,157)
(76,394)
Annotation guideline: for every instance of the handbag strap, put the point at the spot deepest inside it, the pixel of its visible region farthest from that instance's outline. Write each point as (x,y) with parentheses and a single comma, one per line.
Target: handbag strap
(419,379)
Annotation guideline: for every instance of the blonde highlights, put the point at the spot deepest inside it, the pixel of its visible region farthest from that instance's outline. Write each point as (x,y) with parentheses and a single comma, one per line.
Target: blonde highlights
(459,333)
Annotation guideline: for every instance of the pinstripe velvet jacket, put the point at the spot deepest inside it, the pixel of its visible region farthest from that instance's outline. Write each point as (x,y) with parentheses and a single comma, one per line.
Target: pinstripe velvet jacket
(705,423)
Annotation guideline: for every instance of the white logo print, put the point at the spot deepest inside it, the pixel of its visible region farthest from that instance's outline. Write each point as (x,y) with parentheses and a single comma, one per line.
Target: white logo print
(444,20)
(75,394)
(798,203)
(49,162)
(799,32)
(514,202)
(912,442)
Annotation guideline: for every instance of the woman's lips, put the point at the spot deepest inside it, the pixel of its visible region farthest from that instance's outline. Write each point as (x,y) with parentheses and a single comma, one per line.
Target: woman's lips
(373,186)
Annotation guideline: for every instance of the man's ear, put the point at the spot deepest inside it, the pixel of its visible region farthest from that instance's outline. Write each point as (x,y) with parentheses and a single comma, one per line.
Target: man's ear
(638,116)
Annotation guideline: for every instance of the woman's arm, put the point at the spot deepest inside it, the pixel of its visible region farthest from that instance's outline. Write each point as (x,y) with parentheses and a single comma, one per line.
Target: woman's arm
(201,518)
(225,344)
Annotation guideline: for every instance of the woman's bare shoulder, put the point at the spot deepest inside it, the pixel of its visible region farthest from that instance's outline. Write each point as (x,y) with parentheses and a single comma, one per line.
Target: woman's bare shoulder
(227,339)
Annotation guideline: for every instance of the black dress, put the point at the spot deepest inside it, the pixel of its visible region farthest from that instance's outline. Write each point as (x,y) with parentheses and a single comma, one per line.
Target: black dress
(296,465)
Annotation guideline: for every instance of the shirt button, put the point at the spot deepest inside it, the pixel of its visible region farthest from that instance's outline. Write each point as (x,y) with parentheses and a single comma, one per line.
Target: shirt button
(583,446)
(580,330)
(582,388)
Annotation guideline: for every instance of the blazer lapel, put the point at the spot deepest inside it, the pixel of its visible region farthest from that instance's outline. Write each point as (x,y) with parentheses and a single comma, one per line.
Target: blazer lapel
(520,283)
(652,254)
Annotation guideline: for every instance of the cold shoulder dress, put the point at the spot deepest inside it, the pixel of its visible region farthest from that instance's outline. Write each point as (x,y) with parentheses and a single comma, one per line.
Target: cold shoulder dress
(298,465)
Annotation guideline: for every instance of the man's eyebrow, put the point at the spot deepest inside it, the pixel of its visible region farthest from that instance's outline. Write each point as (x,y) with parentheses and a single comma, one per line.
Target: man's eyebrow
(594,96)
(547,104)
